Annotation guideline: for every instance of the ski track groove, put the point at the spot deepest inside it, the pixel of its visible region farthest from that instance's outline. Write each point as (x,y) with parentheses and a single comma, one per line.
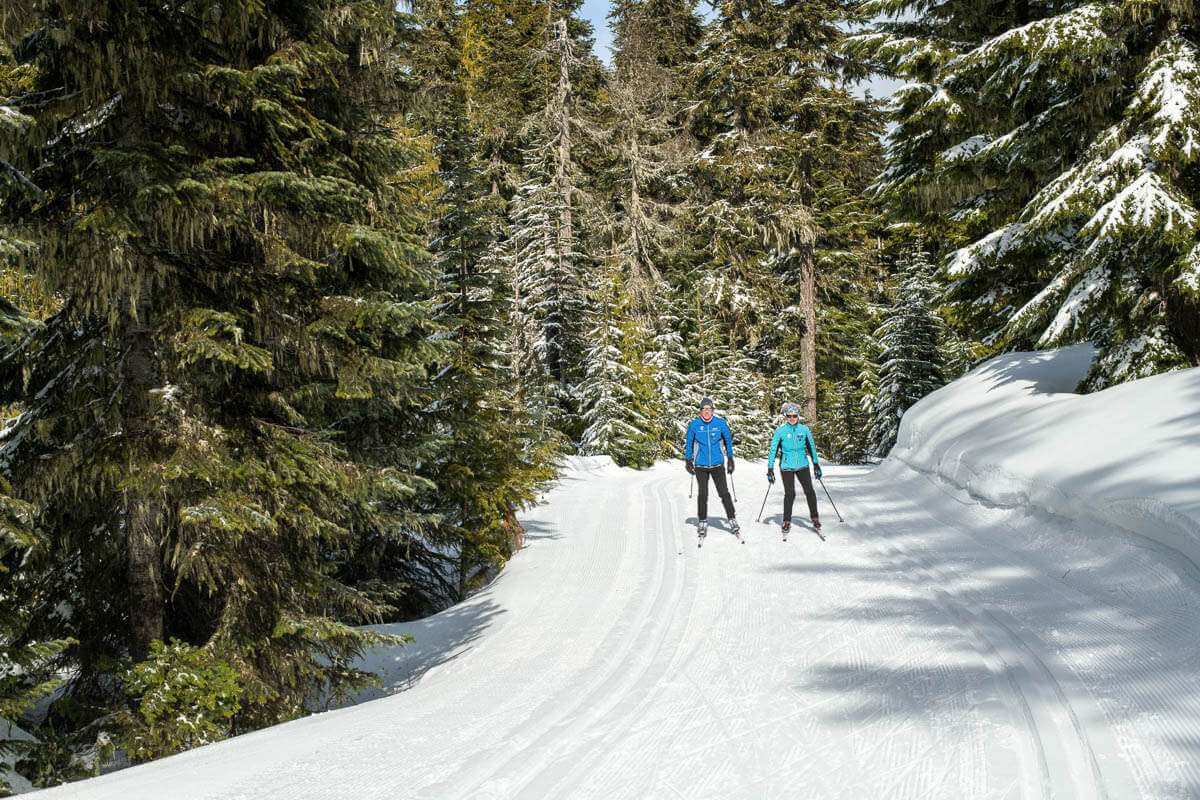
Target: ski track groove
(1026,654)
(532,756)
(1094,617)
(931,648)
(636,683)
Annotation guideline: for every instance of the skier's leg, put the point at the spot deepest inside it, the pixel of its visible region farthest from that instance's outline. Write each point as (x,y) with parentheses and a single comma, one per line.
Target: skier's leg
(701,493)
(789,492)
(718,476)
(809,494)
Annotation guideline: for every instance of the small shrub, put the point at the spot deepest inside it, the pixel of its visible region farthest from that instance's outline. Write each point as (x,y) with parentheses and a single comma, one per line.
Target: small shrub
(184,696)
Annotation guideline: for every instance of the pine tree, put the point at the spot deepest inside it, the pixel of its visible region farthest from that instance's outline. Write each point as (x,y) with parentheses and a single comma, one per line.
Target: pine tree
(229,221)
(910,339)
(490,463)
(1074,183)
(617,398)
(548,258)
(781,138)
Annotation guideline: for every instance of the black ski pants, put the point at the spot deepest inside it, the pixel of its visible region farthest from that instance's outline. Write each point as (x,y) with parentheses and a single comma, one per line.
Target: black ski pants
(789,491)
(718,478)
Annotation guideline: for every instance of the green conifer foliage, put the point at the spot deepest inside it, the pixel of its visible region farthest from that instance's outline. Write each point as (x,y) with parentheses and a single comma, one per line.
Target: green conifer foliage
(227,214)
(619,395)
(910,340)
(492,460)
(780,141)
(1062,141)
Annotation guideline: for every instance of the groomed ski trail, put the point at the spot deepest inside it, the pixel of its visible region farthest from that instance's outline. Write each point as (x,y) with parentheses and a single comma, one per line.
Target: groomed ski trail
(930,648)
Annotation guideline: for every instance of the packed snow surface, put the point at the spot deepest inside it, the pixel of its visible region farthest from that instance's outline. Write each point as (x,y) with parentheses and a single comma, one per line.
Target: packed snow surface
(1009,611)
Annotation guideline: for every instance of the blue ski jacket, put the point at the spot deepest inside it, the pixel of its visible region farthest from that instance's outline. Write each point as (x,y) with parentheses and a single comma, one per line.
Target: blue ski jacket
(794,443)
(702,445)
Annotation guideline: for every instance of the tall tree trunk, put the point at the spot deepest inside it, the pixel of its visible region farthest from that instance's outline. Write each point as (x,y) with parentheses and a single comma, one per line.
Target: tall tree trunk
(143,507)
(808,343)
(564,246)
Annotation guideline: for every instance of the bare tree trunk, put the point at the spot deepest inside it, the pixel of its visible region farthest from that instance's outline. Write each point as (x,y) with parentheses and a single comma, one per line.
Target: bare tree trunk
(143,508)
(808,343)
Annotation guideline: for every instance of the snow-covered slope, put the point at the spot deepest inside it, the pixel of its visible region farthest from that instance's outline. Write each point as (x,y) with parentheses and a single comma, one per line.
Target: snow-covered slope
(1013,433)
(935,646)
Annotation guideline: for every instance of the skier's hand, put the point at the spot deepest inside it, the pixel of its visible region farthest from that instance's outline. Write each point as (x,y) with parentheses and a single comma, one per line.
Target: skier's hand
(771,475)
(817,471)
(690,467)
(729,468)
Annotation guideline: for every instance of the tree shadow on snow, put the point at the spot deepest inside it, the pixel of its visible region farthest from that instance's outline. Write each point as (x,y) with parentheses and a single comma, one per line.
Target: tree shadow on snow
(1103,611)
(437,640)
(536,531)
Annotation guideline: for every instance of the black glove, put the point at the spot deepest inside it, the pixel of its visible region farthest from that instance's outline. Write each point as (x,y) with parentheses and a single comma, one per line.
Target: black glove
(690,467)
(729,468)
(771,475)
(817,471)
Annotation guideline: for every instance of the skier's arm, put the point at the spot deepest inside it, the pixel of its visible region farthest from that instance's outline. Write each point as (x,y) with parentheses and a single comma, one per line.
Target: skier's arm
(775,442)
(727,436)
(811,444)
(689,440)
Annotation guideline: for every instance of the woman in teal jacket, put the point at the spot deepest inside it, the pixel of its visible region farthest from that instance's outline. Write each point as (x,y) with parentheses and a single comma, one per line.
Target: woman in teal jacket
(795,445)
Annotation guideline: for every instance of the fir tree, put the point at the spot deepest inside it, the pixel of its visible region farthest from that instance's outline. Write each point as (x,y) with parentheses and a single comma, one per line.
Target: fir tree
(616,397)
(781,138)
(229,222)
(910,339)
(490,463)
(548,258)
(1074,183)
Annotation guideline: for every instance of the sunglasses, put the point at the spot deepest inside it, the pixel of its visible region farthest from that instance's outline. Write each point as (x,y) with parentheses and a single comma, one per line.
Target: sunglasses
(792,416)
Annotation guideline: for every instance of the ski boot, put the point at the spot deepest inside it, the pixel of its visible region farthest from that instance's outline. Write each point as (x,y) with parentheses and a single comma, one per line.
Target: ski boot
(736,529)
(787,526)
(701,532)
(816,523)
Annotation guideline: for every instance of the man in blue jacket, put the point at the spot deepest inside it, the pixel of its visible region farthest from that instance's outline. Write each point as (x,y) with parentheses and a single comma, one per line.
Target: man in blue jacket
(703,457)
(794,442)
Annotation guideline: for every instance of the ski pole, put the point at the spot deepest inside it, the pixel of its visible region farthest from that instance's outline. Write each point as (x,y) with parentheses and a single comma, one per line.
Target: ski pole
(733,486)
(764,505)
(827,494)
(691,484)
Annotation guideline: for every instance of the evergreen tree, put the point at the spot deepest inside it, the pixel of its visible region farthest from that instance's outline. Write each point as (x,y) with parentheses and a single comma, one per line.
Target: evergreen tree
(1075,183)
(617,398)
(491,463)
(229,223)
(910,339)
(669,32)
(548,258)
(508,77)
(665,358)
(781,137)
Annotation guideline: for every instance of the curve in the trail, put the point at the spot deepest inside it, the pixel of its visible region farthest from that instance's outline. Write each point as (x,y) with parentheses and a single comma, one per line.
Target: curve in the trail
(931,648)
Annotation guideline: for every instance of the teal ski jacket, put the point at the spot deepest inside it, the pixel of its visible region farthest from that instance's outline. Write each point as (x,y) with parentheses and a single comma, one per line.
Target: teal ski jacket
(794,443)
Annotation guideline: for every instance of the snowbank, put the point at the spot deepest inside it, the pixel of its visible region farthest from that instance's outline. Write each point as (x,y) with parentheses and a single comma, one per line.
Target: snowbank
(1013,433)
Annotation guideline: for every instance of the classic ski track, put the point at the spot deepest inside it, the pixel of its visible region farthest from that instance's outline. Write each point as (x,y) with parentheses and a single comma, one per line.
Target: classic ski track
(615,716)
(617,668)
(1107,757)
(1021,660)
(566,714)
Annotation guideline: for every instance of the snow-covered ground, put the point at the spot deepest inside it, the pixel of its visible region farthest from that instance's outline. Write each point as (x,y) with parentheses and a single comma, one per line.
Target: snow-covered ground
(972,631)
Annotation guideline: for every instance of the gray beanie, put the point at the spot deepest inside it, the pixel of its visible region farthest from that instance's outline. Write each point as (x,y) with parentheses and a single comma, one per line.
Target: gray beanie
(707,402)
